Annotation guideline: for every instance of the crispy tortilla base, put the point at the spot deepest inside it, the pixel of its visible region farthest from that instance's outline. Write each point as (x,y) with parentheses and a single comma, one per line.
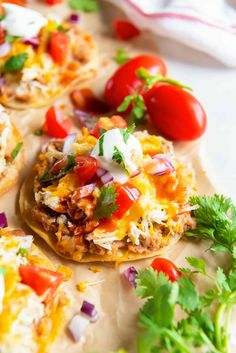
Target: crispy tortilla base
(26,202)
(11,173)
(87,71)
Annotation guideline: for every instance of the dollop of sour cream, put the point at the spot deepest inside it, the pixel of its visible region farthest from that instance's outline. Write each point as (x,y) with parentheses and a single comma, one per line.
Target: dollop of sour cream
(111,142)
(21,21)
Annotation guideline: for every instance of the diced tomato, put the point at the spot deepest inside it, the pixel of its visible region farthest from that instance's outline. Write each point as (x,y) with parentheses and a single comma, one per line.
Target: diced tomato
(127,196)
(53,2)
(86,168)
(2,35)
(55,125)
(16,2)
(124,29)
(59,46)
(167,267)
(115,121)
(41,280)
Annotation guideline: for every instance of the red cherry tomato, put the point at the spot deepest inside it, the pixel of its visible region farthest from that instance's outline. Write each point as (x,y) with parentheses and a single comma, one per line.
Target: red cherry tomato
(124,81)
(40,279)
(167,267)
(127,196)
(108,124)
(176,114)
(53,2)
(55,125)
(2,35)
(86,168)
(124,29)
(59,46)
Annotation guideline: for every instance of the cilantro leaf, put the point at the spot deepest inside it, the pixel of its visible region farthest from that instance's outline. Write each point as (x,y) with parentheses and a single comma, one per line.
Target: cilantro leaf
(2,16)
(62,29)
(121,56)
(101,145)
(16,150)
(23,252)
(11,39)
(48,177)
(126,132)
(106,202)
(125,104)
(197,263)
(84,5)
(188,296)
(119,158)
(38,132)
(221,279)
(15,63)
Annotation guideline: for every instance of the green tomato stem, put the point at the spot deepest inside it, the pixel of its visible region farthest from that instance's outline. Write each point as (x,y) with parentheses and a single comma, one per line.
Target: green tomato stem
(174,83)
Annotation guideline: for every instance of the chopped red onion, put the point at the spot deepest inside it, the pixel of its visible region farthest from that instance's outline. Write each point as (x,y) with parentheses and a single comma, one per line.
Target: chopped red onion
(68,143)
(107,178)
(3,220)
(100,172)
(85,119)
(2,83)
(131,274)
(77,326)
(159,166)
(89,310)
(136,173)
(86,190)
(74,18)
(34,42)
(4,49)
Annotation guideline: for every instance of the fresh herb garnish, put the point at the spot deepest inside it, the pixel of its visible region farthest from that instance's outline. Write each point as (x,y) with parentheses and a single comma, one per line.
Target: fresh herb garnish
(11,39)
(2,16)
(121,56)
(126,132)
(205,319)
(15,63)
(3,271)
(16,151)
(100,145)
(62,29)
(136,101)
(119,158)
(23,252)
(84,5)
(38,132)
(49,177)
(106,202)
(138,107)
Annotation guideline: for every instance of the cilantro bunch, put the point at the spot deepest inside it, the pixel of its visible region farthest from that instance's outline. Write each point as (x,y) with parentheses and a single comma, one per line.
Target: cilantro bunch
(179,318)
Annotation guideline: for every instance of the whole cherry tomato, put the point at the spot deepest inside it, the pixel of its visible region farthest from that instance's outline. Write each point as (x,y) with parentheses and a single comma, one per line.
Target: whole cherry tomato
(125,30)
(167,267)
(125,81)
(175,113)
(86,168)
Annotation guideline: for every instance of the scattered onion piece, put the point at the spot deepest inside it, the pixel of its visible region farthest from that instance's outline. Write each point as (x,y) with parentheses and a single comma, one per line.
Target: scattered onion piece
(130,274)
(89,310)
(77,326)
(100,172)
(4,49)
(74,18)
(85,119)
(159,165)
(68,143)
(3,220)
(34,42)
(107,178)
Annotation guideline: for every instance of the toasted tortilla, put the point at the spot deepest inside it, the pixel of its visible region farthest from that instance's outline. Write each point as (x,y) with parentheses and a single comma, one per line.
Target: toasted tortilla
(86,72)
(55,312)
(26,202)
(11,173)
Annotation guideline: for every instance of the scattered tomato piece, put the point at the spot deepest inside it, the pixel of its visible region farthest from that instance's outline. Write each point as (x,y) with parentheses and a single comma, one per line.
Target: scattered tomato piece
(53,2)
(41,280)
(16,2)
(125,30)
(59,46)
(55,125)
(85,99)
(127,196)
(167,267)
(86,168)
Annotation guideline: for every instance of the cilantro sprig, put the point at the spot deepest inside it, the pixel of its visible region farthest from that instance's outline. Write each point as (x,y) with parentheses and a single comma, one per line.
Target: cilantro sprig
(121,56)
(136,101)
(84,5)
(16,150)
(204,323)
(106,205)
(48,177)
(15,63)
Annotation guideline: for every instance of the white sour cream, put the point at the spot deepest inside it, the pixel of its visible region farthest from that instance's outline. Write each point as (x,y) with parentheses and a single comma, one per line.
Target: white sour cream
(131,150)
(22,22)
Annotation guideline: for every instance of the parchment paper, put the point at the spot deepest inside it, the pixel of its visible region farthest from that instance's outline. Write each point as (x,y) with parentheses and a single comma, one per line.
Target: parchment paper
(114,299)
